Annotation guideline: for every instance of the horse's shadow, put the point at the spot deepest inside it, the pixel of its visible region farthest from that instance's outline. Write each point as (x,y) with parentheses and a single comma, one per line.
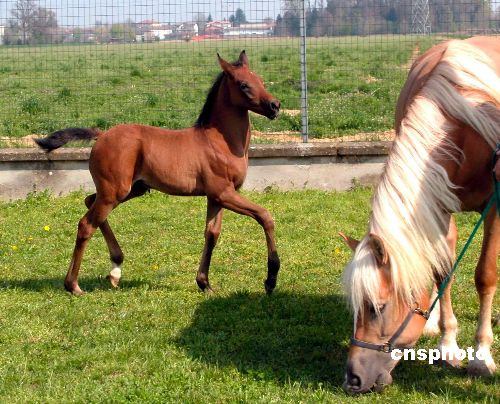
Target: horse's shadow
(288,337)
(301,338)
(57,284)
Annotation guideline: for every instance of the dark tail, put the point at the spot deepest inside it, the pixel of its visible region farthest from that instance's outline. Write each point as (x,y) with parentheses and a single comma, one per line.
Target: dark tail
(61,137)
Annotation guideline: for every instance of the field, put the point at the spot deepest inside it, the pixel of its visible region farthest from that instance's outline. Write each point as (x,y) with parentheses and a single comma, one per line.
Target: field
(353,82)
(157,339)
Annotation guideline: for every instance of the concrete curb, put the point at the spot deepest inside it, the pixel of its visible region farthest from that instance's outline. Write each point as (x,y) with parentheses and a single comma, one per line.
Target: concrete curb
(290,166)
(332,149)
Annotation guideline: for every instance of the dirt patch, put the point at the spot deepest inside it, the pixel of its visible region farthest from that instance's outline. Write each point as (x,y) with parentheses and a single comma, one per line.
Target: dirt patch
(26,141)
(291,112)
(273,137)
(414,55)
(296,137)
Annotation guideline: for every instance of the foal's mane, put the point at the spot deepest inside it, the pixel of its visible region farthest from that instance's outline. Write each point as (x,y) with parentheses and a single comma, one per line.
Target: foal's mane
(206,112)
(414,193)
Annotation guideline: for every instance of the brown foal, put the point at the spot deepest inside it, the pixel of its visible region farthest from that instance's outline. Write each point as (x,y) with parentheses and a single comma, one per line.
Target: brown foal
(209,159)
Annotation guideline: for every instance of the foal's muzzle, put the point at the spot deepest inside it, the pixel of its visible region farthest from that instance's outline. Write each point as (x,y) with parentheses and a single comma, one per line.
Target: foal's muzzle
(272,109)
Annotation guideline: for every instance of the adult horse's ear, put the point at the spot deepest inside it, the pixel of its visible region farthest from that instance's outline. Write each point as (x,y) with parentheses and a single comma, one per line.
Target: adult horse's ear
(226,67)
(352,243)
(243,59)
(378,248)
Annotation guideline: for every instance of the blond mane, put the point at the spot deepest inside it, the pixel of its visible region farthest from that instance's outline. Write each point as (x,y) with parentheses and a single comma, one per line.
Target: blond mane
(410,204)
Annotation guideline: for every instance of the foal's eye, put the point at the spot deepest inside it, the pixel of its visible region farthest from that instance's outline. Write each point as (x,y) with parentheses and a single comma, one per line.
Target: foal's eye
(244,86)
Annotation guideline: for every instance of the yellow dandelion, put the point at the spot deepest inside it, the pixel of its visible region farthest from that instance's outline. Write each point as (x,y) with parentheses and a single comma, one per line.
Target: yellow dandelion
(13,247)
(46,228)
(155,267)
(337,251)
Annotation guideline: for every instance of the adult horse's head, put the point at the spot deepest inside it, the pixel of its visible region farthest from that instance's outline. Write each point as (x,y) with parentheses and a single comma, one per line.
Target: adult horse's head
(246,89)
(382,319)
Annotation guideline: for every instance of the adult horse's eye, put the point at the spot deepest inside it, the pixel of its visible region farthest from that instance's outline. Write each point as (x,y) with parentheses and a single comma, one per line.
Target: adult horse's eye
(244,86)
(373,312)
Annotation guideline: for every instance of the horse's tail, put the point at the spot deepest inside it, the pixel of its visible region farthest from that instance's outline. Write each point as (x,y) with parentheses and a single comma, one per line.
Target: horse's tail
(61,137)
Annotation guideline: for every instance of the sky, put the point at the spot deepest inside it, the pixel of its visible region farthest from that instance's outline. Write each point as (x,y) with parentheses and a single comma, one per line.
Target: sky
(87,12)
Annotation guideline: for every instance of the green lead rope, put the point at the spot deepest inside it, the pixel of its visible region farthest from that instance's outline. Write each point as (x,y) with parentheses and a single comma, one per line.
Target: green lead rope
(495,198)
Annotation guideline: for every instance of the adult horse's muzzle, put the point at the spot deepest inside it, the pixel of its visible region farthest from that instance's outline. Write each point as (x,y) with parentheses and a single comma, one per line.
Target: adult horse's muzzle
(369,373)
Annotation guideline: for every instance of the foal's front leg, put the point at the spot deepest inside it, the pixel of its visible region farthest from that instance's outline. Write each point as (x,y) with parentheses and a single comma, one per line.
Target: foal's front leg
(212,232)
(232,200)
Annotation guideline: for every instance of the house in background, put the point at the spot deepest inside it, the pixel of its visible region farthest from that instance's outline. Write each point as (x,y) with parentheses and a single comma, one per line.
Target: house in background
(217,27)
(186,30)
(258,29)
(149,31)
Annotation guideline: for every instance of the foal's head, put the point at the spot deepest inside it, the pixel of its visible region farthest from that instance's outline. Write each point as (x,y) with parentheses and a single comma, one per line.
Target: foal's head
(246,89)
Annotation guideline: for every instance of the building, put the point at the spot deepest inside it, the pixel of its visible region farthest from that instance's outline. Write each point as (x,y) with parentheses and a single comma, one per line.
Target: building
(260,29)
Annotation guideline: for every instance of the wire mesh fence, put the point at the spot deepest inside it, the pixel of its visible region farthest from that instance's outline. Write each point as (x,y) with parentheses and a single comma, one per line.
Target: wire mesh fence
(102,62)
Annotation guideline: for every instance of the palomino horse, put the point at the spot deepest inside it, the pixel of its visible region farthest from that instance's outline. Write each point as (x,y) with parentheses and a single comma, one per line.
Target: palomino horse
(447,125)
(209,159)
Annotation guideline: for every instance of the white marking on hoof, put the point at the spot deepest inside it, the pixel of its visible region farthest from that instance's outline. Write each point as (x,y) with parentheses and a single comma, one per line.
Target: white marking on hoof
(482,364)
(116,272)
(432,325)
(451,354)
(115,275)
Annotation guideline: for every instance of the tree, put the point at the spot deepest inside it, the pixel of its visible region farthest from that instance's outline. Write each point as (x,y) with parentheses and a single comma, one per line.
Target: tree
(123,32)
(24,13)
(238,18)
(32,23)
(44,25)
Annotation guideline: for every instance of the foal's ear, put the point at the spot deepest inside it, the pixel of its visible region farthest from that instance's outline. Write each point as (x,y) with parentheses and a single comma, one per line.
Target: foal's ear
(226,67)
(243,59)
(352,243)
(379,251)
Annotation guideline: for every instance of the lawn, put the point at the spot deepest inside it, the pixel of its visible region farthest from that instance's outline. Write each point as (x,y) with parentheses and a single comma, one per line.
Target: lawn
(158,339)
(353,82)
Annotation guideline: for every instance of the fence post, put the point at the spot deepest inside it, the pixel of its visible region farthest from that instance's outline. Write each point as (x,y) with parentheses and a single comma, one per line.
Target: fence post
(303,75)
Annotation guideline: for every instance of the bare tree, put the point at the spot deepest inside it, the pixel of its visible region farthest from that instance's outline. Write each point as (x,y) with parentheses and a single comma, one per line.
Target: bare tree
(24,12)
(45,23)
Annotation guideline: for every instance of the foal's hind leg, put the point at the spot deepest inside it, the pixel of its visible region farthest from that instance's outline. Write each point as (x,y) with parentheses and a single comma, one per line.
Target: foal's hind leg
(87,226)
(212,232)
(486,278)
(115,252)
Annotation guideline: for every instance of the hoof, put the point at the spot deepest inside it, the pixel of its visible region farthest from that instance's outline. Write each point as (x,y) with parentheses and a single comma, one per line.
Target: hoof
(74,289)
(269,285)
(204,286)
(480,368)
(113,280)
(451,363)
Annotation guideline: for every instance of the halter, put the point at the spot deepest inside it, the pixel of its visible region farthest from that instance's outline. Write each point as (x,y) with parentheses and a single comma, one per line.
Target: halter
(389,346)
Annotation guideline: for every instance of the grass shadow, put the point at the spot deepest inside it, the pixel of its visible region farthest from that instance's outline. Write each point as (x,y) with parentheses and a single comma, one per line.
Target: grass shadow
(43,284)
(302,338)
(288,337)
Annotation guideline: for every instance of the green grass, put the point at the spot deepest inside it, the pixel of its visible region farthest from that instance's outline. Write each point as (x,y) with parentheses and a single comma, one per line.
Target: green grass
(353,82)
(158,339)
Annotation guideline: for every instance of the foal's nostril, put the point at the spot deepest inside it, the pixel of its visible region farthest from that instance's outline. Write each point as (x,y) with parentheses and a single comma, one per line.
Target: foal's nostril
(275,105)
